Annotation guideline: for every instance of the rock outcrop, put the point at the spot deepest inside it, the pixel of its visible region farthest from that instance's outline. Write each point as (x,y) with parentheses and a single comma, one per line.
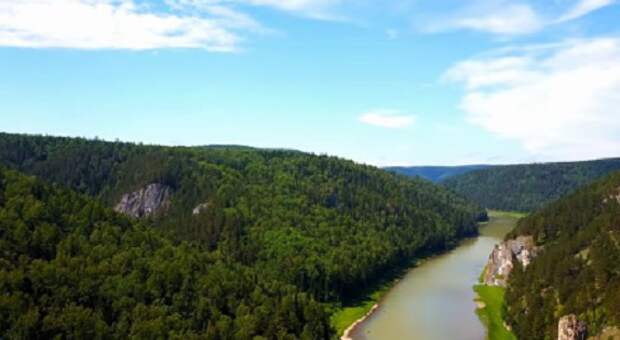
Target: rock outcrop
(200,208)
(570,328)
(147,201)
(501,260)
(615,196)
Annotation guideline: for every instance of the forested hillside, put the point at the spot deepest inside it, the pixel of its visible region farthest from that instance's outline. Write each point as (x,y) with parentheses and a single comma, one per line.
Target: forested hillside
(71,268)
(528,187)
(577,271)
(327,226)
(435,173)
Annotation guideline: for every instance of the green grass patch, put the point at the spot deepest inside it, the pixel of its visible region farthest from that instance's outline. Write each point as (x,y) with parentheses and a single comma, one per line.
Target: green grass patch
(344,316)
(500,213)
(491,314)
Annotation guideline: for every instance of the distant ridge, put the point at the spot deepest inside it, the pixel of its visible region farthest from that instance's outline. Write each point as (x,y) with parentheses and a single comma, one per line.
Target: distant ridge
(526,187)
(435,173)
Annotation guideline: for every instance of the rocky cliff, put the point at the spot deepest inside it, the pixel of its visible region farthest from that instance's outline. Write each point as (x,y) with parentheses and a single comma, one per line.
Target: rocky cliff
(570,328)
(145,202)
(501,260)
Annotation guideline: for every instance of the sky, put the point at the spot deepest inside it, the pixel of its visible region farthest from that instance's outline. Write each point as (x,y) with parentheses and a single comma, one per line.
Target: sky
(390,82)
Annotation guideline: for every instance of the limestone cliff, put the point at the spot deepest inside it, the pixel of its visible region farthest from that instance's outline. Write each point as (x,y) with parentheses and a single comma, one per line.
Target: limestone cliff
(570,328)
(145,202)
(501,260)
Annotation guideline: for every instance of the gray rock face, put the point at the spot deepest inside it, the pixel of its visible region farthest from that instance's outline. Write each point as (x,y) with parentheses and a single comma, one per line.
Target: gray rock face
(570,328)
(501,260)
(200,208)
(146,201)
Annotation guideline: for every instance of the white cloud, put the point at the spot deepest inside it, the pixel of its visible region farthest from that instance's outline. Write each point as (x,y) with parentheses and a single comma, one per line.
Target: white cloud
(316,9)
(584,7)
(392,119)
(510,19)
(108,24)
(561,102)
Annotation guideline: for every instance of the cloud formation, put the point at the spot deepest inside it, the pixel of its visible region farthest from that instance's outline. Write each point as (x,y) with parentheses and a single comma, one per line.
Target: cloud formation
(510,19)
(392,119)
(316,9)
(505,17)
(214,25)
(559,101)
(584,7)
(106,24)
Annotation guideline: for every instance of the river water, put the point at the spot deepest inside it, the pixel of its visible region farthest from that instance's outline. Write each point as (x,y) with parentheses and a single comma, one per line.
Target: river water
(435,300)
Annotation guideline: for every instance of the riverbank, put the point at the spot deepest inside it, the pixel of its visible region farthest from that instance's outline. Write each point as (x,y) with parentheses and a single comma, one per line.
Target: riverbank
(490,300)
(414,301)
(348,333)
(501,213)
(345,318)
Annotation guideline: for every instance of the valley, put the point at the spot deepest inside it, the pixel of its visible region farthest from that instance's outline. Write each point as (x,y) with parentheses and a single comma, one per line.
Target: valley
(231,242)
(435,299)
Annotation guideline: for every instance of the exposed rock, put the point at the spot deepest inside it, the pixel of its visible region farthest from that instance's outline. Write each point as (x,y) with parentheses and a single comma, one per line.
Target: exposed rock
(570,328)
(614,196)
(146,201)
(501,260)
(200,208)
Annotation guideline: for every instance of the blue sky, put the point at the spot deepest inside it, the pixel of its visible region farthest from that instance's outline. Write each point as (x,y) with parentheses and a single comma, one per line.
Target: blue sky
(402,82)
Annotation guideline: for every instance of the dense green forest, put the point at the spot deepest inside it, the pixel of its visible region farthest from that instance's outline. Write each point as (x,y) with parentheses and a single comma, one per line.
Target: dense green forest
(307,227)
(578,270)
(435,173)
(73,268)
(527,187)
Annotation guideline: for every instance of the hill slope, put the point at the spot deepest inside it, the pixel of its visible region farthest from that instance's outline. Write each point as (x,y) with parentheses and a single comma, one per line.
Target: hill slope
(70,268)
(578,270)
(527,187)
(328,226)
(435,173)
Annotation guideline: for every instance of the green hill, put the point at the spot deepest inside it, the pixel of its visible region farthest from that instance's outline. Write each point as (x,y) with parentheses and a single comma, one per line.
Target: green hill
(527,187)
(578,270)
(71,268)
(325,226)
(435,173)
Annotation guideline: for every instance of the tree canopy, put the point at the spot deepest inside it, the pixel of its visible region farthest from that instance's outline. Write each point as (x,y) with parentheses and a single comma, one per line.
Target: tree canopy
(527,187)
(578,270)
(303,229)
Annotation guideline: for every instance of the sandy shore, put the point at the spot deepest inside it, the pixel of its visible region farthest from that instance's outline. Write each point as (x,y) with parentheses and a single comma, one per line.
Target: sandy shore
(347,335)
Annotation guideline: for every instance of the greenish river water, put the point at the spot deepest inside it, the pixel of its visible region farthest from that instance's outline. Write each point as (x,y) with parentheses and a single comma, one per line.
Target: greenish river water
(435,300)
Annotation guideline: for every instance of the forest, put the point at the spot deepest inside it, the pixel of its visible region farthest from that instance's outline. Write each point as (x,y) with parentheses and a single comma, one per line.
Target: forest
(435,174)
(75,269)
(284,235)
(578,270)
(527,187)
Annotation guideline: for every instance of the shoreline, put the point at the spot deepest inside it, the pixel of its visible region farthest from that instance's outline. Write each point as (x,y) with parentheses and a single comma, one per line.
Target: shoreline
(347,335)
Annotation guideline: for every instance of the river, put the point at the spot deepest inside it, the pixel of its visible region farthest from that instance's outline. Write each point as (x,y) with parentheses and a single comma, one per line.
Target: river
(435,300)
